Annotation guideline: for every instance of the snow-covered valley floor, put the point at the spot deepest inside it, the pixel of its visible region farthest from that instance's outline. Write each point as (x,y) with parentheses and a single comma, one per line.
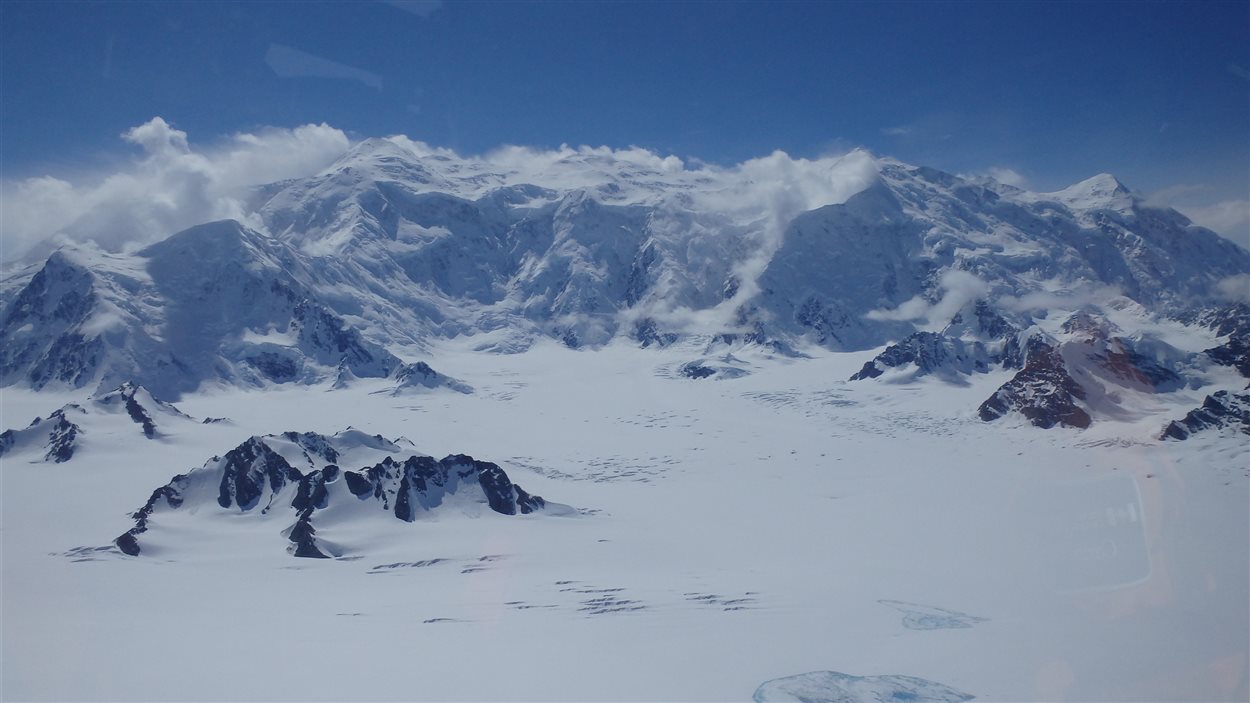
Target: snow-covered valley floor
(728,533)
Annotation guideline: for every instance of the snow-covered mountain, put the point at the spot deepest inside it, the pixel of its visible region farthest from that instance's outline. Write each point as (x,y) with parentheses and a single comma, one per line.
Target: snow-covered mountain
(215,302)
(1222,410)
(57,437)
(298,479)
(362,267)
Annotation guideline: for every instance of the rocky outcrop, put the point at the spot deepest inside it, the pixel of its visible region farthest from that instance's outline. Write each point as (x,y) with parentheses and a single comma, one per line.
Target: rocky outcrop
(1043,391)
(977,339)
(419,375)
(56,436)
(929,353)
(1220,410)
(721,368)
(259,478)
(139,404)
(1235,353)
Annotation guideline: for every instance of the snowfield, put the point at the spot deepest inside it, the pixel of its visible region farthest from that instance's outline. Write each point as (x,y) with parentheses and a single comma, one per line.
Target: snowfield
(767,533)
(581,425)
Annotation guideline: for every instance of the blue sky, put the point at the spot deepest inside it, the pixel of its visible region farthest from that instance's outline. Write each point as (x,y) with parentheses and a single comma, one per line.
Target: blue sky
(1157,93)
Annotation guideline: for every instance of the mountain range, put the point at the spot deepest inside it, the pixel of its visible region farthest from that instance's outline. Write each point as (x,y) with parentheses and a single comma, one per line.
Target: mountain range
(360,270)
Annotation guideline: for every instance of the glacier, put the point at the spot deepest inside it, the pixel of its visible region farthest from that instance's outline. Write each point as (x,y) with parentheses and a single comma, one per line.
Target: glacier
(832,415)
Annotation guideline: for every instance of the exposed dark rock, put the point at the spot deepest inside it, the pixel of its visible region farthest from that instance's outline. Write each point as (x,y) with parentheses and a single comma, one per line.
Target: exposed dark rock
(1125,362)
(311,492)
(1235,353)
(931,353)
(694,369)
(275,367)
(992,324)
(421,375)
(1013,353)
(527,503)
(1219,410)
(647,333)
(419,372)
(139,415)
(499,491)
(171,494)
(61,440)
(247,469)
(404,488)
(303,538)
(59,435)
(640,273)
(359,485)
(975,339)
(128,396)
(1089,326)
(128,544)
(1231,319)
(722,368)
(314,445)
(328,337)
(1043,391)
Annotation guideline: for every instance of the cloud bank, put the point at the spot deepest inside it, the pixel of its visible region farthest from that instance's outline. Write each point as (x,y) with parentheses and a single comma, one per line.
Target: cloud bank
(170,185)
(1228,217)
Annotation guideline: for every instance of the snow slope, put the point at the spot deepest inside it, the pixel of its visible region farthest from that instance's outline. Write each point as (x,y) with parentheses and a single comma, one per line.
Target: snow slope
(729,533)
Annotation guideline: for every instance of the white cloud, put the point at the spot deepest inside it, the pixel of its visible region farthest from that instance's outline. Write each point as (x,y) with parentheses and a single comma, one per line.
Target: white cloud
(958,289)
(1007,176)
(1002,174)
(157,137)
(171,186)
(899,131)
(1059,297)
(767,192)
(1230,218)
(1235,289)
(778,187)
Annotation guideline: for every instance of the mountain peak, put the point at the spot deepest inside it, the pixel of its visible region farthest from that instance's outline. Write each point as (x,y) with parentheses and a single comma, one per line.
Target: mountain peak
(1103,182)
(1101,191)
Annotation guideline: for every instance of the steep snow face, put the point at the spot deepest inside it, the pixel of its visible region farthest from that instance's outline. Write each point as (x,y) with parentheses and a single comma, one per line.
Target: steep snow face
(75,322)
(592,244)
(473,250)
(1101,192)
(846,275)
(217,301)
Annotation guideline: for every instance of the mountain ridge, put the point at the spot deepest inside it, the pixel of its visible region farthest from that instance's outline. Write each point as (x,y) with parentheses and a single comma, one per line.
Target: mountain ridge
(398,245)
